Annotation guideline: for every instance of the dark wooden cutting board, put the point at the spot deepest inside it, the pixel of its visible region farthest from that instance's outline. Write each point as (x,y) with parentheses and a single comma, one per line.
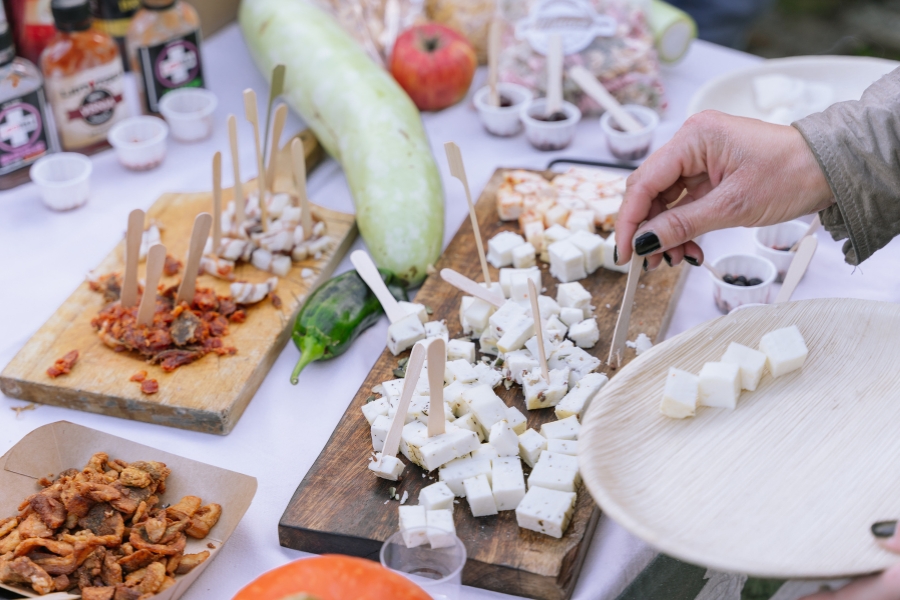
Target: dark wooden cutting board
(340,505)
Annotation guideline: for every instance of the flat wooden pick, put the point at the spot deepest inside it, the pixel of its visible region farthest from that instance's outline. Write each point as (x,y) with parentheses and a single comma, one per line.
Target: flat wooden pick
(156,259)
(437,360)
(538,329)
(275,90)
(799,264)
(251,112)
(463,283)
(240,210)
(132,257)
(554,74)
(714,271)
(458,170)
(813,227)
(369,273)
(493,57)
(298,162)
(277,128)
(199,234)
(620,336)
(593,88)
(413,370)
(217,202)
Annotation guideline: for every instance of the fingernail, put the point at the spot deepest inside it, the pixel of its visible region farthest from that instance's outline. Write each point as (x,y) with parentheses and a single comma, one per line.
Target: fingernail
(667,258)
(645,265)
(884,529)
(615,255)
(691,261)
(646,243)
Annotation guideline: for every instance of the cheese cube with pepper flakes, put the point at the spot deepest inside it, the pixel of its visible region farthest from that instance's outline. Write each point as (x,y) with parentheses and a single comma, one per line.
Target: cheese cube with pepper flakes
(479,496)
(403,334)
(546,511)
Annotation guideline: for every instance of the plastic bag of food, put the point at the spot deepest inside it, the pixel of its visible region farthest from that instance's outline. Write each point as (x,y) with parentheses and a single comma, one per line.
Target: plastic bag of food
(470,17)
(610,38)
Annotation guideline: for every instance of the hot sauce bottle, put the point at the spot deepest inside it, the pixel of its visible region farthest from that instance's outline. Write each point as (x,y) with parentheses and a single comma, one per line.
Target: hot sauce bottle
(114,17)
(164,49)
(84,76)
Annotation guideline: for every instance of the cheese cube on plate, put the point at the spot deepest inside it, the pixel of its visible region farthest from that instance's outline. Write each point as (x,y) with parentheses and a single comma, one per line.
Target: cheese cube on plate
(531,444)
(516,420)
(486,406)
(540,393)
(518,286)
(505,317)
(404,333)
(460,370)
(517,363)
(487,343)
(585,334)
(720,384)
(414,308)
(468,422)
(436,496)
(681,393)
(553,234)
(752,363)
(479,496)
(523,256)
(474,314)
(413,525)
(581,221)
(609,247)
(579,362)
(785,350)
(380,428)
(441,449)
(412,438)
(566,261)
(508,484)
(372,410)
(571,316)
(546,511)
(487,375)
(441,529)
(500,248)
(504,439)
(457,471)
(436,329)
(573,295)
(580,395)
(386,467)
(516,334)
(555,472)
(485,451)
(568,447)
(453,396)
(461,350)
(564,429)
(591,247)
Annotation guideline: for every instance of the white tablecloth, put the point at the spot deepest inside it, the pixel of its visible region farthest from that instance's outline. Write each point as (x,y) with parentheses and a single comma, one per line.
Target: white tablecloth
(285,427)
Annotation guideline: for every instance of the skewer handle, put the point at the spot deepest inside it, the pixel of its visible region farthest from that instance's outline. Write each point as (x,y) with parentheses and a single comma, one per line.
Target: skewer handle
(813,227)
(240,209)
(593,88)
(458,170)
(437,359)
(554,74)
(463,283)
(617,348)
(538,329)
(217,203)
(199,234)
(799,264)
(277,128)
(369,273)
(132,257)
(413,369)
(298,161)
(156,259)
(493,58)
(251,112)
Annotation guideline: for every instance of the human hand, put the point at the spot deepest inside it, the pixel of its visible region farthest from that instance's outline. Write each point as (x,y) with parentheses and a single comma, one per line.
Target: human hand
(737,172)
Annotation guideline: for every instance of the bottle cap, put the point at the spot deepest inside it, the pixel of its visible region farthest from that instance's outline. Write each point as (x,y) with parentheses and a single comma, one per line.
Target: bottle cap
(7,49)
(71,15)
(157,4)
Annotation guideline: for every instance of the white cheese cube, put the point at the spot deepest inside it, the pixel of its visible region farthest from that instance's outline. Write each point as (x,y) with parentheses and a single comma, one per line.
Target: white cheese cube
(436,329)
(785,350)
(523,256)
(552,340)
(517,363)
(579,362)
(563,429)
(486,406)
(506,277)
(386,467)
(487,375)
(531,444)
(568,447)
(556,214)
(555,472)
(752,363)
(606,211)
(485,451)
(609,246)
(460,370)
(404,333)
(479,496)
(453,396)
(572,295)
(380,428)
(461,350)
(554,324)
(392,390)
(581,221)
(546,511)
(553,234)
(505,317)
(516,420)
(436,496)
(413,525)
(719,384)
(534,234)
(580,395)
(591,247)
(571,316)
(566,261)
(418,407)
(508,484)
(500,248)
(487,343)
(504,439)
(585,334)
(516,335)
(412,438)
(468,422)
(457,471)
(473,315)
(518,286)
(372,410)
(547,306)
(681,394)
(540,393)
(414,308)
(448,446)
(441,529)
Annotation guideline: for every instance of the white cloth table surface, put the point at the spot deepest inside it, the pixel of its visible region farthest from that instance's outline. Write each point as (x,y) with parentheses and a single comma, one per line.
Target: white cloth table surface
(285,427)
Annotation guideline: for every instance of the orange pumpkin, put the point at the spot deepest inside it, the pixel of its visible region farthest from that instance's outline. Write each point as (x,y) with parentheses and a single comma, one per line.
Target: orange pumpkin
(332,577)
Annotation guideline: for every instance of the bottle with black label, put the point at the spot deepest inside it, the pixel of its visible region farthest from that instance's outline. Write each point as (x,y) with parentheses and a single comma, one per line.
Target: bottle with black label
(114,17)
(26,134)
(85,78)
(164,49)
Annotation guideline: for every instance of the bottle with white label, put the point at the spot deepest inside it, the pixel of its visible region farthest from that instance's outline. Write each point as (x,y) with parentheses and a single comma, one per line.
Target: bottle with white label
(84,78)
(26,134)
(164,49)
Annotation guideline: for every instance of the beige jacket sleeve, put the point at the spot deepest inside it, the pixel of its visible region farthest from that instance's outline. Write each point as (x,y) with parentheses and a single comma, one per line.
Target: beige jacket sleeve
(857,144)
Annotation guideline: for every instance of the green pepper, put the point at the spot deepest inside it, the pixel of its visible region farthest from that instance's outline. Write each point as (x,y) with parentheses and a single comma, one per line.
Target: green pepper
(335,314)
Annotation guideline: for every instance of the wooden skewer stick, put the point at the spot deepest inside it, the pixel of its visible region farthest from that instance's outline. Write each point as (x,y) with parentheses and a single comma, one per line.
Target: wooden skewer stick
(132,257)
(298,160)
(369,273)
(593,88)
(493,58)
(554,74)
(156,259)
(217,203)
(251,113)
(277,128)
(437,360)
(620,335)
(240,209)
(813,227)
(199,234)
(458,170)
(798,267)
(413,369)
(538,329)
(714,271)
(275,90)
(463,283)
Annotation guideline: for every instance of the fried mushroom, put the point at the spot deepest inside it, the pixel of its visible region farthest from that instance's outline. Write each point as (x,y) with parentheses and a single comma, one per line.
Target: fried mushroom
(97,593)
(204,520)
(189,561)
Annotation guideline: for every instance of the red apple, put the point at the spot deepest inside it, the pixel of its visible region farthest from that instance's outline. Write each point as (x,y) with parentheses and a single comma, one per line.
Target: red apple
(434,64)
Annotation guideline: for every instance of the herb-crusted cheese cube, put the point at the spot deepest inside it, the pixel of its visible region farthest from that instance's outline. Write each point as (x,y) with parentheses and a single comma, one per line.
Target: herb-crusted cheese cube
(516,335)
(505,317)
(487,343)
(392,390)
(571,316)
(479,496)
(566,261)
(552,340)
(531,444)
(523,256)
(540,393)
(609,247)
(516,420)
(386,467)
(500,248)
(555,472)
(459,370)
(372,410)
(404,333)
(568,447)
(485,451)
(441,529)
(681,393)
(453,396)
(585,334)
(414,308)
(436,496)
(436,329)
(752,363)
(413,525)
(508,484)
(473,315)
(573,295)
(591,247)
(518,285)
(719,384)
(487,375)
(457,471)
(380,429)
(579,362)
(580,395)
(412,438)
(546,511)
(485,405)
(467,421)
(564,429)
(504,439)
(517,363)
(461,350)
(448,446)
(785,350)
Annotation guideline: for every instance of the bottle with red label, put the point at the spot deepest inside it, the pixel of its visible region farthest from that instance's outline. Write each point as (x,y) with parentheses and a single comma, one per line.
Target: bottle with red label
(84,78)
(26,134)
(164,49)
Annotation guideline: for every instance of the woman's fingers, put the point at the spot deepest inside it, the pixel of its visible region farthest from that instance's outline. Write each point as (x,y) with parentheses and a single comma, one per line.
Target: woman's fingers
(885,586)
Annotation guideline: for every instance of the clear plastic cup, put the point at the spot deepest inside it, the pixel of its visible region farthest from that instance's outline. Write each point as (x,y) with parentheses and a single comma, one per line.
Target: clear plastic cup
(628,145)
(64,179)
(438,571)
(189,113)
(140,142)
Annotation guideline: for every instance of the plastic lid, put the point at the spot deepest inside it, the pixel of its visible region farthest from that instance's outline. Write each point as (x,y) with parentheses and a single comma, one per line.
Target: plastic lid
(157,4)
(71,15)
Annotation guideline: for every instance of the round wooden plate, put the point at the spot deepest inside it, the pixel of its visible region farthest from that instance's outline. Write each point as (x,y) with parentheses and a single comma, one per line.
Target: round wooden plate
(787,484)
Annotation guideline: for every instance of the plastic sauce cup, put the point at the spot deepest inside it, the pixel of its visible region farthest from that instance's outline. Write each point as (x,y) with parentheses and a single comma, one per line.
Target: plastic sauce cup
(64,179)
(728,296)
(549,135)
(502,121)
(782,235)
(627,145)
(189,113)
(140,142)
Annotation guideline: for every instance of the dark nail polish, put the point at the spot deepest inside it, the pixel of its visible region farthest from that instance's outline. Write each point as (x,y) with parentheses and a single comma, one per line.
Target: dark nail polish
(667,258)
(615,255)
(884,529)
(646,243)
(691,261)
(645,265)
